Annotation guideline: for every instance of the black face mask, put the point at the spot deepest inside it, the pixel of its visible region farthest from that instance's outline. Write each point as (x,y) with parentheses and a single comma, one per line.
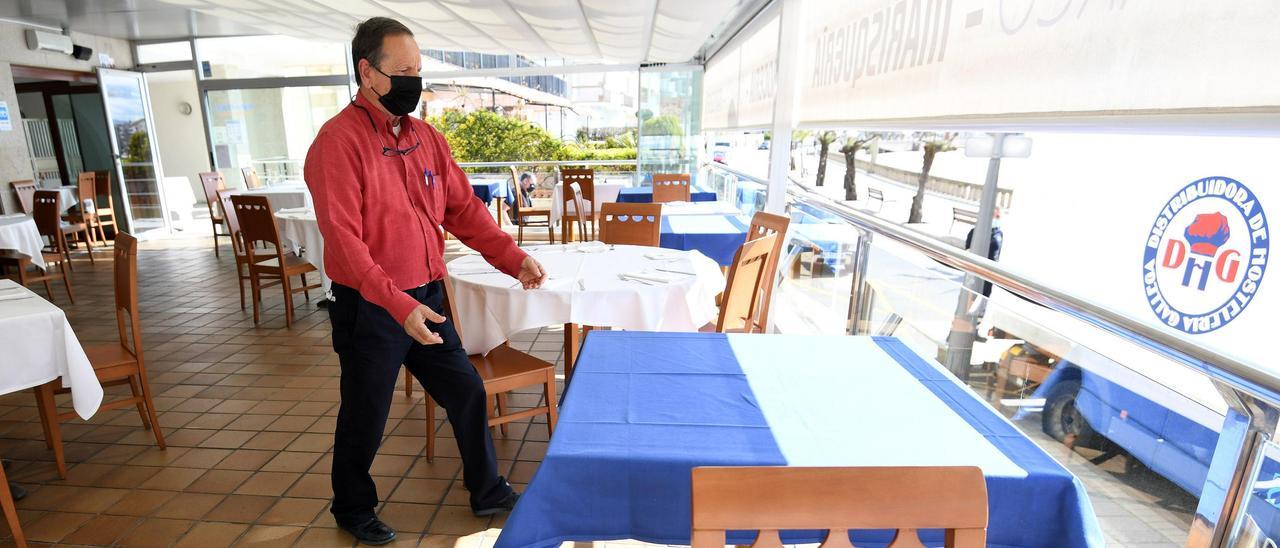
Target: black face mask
(405,93)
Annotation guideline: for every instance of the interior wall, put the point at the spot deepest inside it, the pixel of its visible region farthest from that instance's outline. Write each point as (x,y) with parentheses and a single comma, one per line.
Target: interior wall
(180,137)
(14,164)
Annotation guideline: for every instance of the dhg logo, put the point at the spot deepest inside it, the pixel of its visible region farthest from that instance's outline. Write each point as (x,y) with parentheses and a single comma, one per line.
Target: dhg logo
(1205,255)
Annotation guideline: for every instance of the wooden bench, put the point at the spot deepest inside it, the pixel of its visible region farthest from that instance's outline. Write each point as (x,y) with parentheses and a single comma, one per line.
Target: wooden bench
(875,194)
(964,216)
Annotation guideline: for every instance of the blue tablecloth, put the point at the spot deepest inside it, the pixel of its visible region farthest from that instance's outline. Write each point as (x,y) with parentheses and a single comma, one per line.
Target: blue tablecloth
(487,190)
(644,195)
(644,409)
(716,236)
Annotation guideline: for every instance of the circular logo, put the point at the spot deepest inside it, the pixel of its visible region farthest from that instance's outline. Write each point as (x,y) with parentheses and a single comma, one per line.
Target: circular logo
(1205,255)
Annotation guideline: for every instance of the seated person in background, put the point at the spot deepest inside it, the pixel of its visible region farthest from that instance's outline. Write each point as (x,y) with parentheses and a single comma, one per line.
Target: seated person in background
(525,185)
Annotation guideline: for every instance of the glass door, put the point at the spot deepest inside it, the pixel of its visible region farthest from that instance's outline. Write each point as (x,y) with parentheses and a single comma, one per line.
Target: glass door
(137,164)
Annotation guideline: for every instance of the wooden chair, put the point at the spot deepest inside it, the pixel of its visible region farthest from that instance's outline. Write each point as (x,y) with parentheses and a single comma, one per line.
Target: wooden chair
(107,210)
(258,225)
(503,369)
(237,241)
(523,214)
(48,218)
(113,363)
(671,187)
(586,180)
(213,183)
(742,306)
(630,224)
(26,191)
(773,498)
(579,202)
(87,213)
(251,180)
(10,258)
(764,224)
(10,512)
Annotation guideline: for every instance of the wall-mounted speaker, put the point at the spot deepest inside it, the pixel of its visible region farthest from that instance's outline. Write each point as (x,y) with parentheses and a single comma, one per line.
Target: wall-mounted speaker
(82,53)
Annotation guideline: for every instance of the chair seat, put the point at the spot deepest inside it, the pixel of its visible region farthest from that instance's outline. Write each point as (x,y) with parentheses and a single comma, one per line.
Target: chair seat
(505,363)
(68,228)
(104,356)
(293,264)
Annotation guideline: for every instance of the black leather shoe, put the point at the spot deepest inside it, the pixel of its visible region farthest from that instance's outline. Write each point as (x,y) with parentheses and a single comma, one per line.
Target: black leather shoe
(504,505)
(372,532)
(17,492)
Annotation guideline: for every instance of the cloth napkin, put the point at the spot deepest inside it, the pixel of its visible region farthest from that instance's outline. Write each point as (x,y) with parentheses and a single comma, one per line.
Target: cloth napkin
(592,247)
(663,255)
(655,277)
(293,210)
(15,296)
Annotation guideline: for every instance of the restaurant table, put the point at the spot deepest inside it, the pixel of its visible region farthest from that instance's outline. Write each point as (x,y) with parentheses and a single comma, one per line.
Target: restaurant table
(644,195)
(68,196)
(284,195)
(301,233)
(584,288)
(716,236)
(698,208)
(18,232)
(644,409)
(488,189)
(39,346)
(605,192)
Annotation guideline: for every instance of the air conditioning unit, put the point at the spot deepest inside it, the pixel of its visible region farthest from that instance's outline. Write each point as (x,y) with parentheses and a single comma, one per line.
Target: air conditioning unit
(39,40)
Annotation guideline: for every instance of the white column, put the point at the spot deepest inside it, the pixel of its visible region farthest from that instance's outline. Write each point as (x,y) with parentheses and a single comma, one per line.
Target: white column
(784,103)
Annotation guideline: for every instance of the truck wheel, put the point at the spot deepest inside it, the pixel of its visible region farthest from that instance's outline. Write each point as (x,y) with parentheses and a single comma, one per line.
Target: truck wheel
(1063,421)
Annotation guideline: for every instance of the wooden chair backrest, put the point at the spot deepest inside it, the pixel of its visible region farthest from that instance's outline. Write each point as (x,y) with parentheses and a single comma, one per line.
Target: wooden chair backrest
(671,187)
(102,180)
(26,191)
(47,214)
(251,180)
(574,195)
(586,180)
(773,498)
(630,224)
(740,307)
(257,224)
(212,182)
(764,224)
(126,282)
(87,189)
(233,221)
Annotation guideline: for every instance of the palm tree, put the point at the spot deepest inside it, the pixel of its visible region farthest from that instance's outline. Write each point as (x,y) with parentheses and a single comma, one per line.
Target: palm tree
(824,140)
(852,144)
(933,144)
(798,136)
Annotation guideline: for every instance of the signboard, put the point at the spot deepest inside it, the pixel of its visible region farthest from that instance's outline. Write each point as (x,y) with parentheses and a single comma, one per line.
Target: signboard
(936,59)
(739,83)
(6,123)
(235,133)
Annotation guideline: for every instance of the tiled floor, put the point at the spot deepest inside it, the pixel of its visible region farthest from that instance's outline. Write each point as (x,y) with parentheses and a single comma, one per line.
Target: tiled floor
(248,414)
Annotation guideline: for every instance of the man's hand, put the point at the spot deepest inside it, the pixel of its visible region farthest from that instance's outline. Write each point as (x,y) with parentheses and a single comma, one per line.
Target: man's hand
(416,325)
(532,274)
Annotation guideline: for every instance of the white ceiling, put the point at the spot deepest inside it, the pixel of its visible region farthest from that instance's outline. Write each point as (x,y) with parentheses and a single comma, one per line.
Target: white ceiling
(614,31)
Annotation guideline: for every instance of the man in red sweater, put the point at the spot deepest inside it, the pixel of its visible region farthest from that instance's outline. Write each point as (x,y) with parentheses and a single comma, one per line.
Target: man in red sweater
(384,184)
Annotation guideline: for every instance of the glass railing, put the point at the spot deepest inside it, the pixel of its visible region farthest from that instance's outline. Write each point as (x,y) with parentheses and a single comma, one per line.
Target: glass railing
(1171,439)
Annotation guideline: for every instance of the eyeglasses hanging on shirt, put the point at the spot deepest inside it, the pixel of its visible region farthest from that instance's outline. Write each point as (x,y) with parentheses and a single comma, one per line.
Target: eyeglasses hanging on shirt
(386,150)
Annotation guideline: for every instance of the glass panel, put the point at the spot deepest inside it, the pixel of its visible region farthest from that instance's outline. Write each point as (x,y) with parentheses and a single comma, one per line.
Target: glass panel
(670,121)
(128,111)
(269,129)
(1261,527)
(164,53)
(269,56)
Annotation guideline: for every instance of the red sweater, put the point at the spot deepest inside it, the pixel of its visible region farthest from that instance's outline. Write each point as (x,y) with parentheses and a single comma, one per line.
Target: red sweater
(380,215)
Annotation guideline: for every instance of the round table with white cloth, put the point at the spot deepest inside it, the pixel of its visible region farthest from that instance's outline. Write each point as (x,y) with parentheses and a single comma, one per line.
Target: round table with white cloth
(18,231)
(39,346)
(283,196)
(626,287)
(301,232)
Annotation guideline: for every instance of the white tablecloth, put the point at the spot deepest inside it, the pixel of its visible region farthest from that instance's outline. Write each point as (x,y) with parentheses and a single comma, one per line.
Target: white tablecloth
(585,288)
(68,196)
(288,195)
(18,231)
(301,232)
(39,346)
(605,192)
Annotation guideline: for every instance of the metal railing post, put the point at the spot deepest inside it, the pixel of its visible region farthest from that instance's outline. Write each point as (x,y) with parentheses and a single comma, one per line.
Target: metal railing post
(860,291)
(1222,510)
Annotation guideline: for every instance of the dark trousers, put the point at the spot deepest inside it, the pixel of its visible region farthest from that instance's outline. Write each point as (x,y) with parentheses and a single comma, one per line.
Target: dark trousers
(371,347)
